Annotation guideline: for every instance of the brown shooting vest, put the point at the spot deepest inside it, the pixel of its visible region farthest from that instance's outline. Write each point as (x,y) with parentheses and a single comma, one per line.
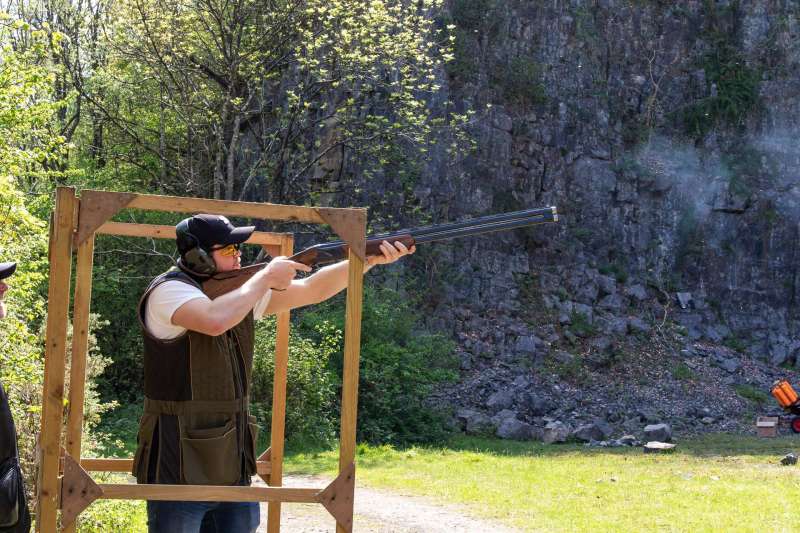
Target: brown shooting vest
(196,428)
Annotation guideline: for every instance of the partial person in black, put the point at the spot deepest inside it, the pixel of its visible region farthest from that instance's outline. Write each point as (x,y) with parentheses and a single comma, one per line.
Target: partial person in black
(14,514)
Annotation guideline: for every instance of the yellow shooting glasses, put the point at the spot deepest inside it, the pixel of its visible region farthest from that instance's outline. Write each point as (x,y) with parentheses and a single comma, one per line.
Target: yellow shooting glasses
(228,250)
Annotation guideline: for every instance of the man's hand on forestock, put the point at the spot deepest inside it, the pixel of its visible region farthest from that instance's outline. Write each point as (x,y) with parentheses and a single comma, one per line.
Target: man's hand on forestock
(391,253)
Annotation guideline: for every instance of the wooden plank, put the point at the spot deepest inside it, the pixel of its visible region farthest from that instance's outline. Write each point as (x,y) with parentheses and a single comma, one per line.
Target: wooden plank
(207,493)
(55,355)
(264,211)
(278,426)
(351,227)
(126,465)
(158,231)
(78,491)
(80,347)
(338,497)
(106,465)
(96,208)
(352,347)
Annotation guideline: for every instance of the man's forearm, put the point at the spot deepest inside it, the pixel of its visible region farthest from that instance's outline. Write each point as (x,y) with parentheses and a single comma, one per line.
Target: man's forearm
(232,307)
(329,280)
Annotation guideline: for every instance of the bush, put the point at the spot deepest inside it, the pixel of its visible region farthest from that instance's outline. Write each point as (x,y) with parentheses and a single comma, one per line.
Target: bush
(401,363)
(311,384)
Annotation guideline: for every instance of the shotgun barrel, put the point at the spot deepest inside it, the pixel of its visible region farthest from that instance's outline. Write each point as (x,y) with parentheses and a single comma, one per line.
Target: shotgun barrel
(331,252)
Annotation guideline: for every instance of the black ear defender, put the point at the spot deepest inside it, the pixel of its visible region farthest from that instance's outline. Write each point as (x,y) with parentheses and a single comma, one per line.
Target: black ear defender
(193,255)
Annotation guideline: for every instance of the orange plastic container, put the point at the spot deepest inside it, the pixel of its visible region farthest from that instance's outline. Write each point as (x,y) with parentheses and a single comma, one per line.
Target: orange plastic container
(784,393)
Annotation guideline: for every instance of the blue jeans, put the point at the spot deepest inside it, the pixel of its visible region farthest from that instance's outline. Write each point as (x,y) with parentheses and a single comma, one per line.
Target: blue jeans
(202,517)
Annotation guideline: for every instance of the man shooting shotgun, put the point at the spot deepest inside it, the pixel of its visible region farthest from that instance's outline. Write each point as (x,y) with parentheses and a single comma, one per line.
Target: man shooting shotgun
(323,254)
(198,329)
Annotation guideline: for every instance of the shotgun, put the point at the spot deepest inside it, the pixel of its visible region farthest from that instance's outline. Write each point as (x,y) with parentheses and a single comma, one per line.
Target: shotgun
(332,252)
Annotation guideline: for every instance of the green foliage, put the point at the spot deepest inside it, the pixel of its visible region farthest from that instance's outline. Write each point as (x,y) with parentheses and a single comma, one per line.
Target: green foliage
(311,384)
(752,393)
(614,269)
(401,363)
(580,325)
(735,343)
(473,15)
(520,82)
(113,515)
(732,83)
(682,372)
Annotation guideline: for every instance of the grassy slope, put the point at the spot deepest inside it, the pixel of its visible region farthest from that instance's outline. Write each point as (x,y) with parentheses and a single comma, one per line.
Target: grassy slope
(718,482)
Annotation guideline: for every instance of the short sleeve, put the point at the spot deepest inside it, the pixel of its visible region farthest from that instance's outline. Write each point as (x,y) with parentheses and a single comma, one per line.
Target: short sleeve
(162,303)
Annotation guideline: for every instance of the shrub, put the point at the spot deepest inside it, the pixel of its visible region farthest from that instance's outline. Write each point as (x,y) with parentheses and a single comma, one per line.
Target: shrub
(401,363)
(311,384)
(749,392)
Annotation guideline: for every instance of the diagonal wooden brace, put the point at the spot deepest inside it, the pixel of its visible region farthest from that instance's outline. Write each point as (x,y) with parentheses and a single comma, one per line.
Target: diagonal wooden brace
(265,457)
(338,497)
(350,225)
(78,491)
(96,207)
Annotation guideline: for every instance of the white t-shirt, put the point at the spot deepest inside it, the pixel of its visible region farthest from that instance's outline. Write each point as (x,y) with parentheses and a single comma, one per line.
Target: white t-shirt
(165,299)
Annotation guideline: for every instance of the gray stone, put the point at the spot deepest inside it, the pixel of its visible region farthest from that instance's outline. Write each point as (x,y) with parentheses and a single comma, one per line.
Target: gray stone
(596,431)
(473,422)
(498,418)
(587,293)
(658,432)
(563,357)
(730,365)
(613,325)
(612,302)
(628,440)
(555,432)
(502,399)
(536,405)
(607,285)
(513,428)
(637,325)
(529,344)
(637,292)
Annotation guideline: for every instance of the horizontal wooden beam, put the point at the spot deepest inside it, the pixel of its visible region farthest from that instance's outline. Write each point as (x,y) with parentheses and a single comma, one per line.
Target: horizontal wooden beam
(180,204)
(156,231)
(107,465)
(208,493)
(126,465)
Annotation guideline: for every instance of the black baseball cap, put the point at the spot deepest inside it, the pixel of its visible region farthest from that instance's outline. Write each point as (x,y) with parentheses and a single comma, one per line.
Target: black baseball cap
(6,269)
(214,230)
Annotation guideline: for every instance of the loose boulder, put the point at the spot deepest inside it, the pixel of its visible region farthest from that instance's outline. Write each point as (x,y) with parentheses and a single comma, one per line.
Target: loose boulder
(658,432)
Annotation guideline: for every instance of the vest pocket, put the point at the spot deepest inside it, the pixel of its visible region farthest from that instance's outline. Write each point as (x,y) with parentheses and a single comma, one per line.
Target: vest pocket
(211,456)
(251,448)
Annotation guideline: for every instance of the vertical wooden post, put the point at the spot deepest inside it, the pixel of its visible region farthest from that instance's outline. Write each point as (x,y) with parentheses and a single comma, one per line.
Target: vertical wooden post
(278,426)
(352,349)
(55,355)
(80,346)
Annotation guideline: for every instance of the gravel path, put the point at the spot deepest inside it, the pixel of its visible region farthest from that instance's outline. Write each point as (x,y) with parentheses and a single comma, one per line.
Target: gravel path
(379,511)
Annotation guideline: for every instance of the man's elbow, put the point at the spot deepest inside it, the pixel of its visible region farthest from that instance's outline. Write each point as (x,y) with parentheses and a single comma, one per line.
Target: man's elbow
(217,327)
(211,326)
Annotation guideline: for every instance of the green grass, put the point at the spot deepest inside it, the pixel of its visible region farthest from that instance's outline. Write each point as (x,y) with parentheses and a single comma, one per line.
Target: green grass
(754,394)
(714,483)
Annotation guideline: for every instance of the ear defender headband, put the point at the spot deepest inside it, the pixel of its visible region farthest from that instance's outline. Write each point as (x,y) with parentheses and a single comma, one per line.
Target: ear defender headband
(195,257)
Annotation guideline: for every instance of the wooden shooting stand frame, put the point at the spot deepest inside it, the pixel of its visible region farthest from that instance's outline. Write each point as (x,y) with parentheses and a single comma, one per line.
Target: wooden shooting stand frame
(63,480)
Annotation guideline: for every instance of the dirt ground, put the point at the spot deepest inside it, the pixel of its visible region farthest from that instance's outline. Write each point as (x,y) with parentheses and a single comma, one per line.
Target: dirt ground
(379,511)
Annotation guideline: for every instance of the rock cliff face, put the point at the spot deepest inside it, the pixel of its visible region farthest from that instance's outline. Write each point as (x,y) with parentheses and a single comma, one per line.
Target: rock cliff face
(666,133)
